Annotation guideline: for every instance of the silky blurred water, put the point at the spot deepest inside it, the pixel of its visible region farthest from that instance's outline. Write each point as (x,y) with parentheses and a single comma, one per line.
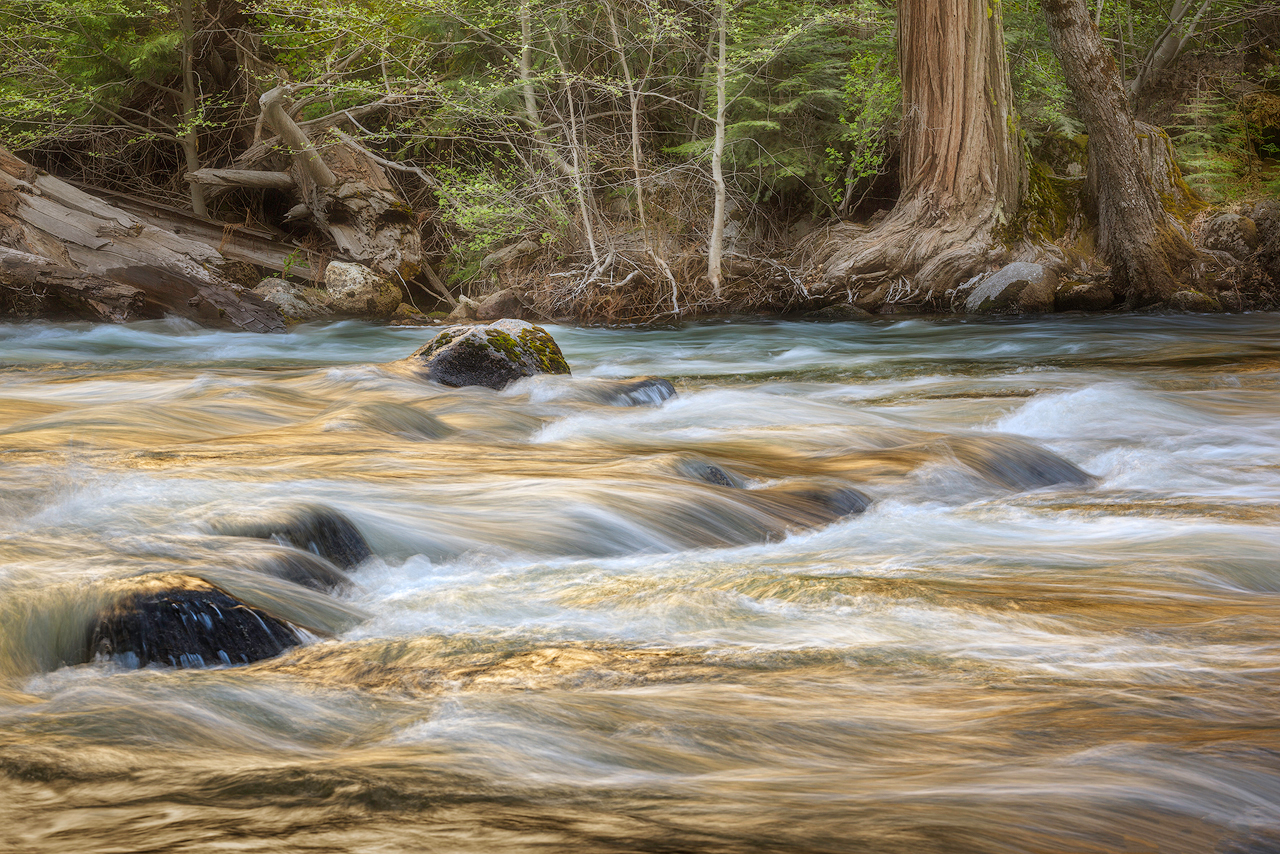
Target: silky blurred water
(568,641)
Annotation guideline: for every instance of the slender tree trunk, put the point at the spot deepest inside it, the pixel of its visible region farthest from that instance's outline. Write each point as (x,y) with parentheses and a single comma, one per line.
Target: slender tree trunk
(1169,43)
(1147,247)
(963,168)
(715,244)
(633,94)
(190,133)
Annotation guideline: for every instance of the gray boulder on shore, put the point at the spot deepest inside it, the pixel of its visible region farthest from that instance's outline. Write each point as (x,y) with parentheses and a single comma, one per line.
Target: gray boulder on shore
(1017,288)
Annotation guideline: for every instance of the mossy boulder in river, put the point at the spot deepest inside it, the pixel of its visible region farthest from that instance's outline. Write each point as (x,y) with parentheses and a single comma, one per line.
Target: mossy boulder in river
(493,355)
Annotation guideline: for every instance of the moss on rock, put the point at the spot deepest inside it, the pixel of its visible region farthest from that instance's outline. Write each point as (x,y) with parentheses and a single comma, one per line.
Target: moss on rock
(493,355)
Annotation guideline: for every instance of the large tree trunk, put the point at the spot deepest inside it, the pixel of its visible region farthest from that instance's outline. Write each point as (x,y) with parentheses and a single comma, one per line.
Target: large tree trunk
(963,169)
(86,240)
(1147,247)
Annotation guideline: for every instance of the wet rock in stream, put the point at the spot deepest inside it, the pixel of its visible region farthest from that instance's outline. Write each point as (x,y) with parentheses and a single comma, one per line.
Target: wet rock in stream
(494,355)
(810,504)
(181,621)
(1015,463)
(304,569)
(644,391)
(311,528)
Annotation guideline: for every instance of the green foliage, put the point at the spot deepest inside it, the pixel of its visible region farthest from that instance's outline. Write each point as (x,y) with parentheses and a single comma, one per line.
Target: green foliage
(81,62)
(1040,92)
(812,99)
(487,205)
(872,105)
(1212,143)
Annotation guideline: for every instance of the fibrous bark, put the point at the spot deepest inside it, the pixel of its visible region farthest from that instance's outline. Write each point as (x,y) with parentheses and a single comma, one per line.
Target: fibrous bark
(964,173)
(1148,248)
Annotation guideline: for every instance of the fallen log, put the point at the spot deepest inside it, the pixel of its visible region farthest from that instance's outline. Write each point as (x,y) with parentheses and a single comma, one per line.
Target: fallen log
(242,178)
(32,286)
(43,216)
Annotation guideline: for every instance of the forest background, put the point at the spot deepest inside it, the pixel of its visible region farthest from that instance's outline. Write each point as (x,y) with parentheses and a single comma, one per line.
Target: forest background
(607,160)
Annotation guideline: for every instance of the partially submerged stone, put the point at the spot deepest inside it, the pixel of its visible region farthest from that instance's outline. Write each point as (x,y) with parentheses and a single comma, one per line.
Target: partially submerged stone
(1015,463)
(837,313)
(182,621)
(309,527)
(810,503)
(1018,288)
(493,355)
(1194,302)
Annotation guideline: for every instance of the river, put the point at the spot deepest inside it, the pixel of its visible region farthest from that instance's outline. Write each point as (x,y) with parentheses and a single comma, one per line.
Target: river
(570,638)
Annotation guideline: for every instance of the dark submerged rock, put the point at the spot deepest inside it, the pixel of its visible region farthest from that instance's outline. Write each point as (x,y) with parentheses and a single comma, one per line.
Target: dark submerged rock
(302,568)
(707,472)
(182,621)
(810,503)
(1016,464)
(494,355)
(645,391)
(837,313)
(311,528)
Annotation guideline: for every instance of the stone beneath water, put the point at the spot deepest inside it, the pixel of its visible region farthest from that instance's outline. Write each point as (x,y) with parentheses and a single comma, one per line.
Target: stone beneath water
(302,568)
(645,391)
(1016,464)
(493,356)
(309,527)
(809,503)
(182,621)
(837,313)
(1016,288)
(707,472)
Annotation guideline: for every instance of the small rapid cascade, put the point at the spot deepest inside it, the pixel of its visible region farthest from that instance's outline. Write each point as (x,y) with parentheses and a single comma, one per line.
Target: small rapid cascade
(896,586)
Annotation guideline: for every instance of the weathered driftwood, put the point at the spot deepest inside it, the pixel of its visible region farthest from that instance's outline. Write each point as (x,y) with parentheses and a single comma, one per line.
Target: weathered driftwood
(33,286)
(236,242)
(242,178)
(42,215)
(348,194)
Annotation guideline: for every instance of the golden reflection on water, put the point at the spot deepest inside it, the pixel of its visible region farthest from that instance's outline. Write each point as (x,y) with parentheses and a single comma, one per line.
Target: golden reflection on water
(591,628)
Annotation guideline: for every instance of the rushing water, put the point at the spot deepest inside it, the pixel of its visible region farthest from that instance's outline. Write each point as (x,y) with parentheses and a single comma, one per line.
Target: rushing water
(568,641)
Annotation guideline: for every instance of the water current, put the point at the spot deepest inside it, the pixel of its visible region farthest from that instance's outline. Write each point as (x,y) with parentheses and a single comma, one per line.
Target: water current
(570,638)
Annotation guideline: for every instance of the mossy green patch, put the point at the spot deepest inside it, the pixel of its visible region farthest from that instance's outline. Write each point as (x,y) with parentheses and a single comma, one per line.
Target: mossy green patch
(537,341)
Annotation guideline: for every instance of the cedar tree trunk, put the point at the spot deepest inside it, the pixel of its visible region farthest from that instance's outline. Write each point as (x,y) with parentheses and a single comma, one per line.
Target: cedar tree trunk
(963,169)
(1148,249)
